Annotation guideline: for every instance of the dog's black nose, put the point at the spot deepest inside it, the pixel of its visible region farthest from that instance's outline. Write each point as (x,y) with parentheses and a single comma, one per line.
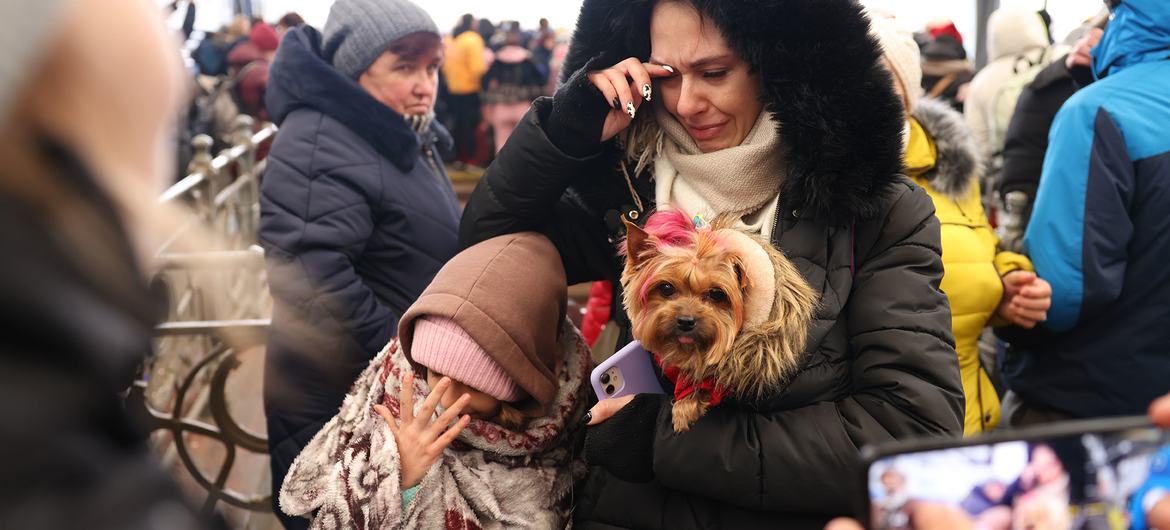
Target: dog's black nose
(685,323)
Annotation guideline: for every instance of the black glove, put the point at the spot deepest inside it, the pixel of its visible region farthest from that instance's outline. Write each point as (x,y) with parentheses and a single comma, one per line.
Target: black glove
(624,444)
(578,112)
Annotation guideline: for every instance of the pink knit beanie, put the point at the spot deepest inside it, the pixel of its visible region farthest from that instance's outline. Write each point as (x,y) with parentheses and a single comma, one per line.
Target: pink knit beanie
(441,345)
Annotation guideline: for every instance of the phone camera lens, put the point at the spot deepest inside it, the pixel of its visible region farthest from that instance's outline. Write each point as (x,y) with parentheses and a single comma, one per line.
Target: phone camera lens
(609,389)
(605,378)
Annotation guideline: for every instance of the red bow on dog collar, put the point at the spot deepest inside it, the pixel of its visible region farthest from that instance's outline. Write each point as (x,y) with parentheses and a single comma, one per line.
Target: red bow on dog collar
(684,387)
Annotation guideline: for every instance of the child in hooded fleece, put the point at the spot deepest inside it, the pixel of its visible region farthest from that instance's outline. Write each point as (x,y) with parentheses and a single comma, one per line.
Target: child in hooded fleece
(487,338)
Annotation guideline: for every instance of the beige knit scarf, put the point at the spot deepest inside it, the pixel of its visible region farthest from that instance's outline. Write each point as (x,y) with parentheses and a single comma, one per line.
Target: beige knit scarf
(743,180)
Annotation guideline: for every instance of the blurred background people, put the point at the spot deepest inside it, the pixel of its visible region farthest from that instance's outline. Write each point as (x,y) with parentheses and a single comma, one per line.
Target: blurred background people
(1019,47)
(289,21)
(463,70)
(248,64)
(1026,139)
(78,222)
(509,86)
(357,213)
(946,72)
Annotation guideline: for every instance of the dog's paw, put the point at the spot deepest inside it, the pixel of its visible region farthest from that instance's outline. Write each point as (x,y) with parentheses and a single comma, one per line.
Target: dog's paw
(685,411)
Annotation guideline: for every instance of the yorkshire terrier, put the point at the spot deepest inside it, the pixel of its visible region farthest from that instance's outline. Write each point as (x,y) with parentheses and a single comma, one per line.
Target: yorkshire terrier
(724,312)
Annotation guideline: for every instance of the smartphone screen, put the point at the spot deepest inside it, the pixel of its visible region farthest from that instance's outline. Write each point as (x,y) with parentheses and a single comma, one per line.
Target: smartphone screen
(1109,480)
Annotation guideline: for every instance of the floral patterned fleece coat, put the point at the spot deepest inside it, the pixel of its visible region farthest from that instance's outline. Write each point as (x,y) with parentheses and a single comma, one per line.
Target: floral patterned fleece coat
(490,477)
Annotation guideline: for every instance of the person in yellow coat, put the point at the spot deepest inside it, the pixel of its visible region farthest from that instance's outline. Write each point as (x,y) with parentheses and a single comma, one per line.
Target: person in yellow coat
(463,68)
(984,285)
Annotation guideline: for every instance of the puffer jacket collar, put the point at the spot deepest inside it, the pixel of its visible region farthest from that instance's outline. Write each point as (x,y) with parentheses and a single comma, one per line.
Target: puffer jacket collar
(301,78)
(837,111)
(957,165)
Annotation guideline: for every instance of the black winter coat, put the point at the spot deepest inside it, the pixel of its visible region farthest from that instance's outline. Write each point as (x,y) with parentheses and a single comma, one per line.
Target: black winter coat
(357,216)
(1026,139)
(880,363)
(76,321)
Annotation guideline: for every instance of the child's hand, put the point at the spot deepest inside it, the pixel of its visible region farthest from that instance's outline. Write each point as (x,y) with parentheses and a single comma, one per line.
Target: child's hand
(1026,299)
(420,440)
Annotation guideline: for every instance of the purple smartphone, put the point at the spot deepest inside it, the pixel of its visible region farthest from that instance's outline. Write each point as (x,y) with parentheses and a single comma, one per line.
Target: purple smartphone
(629,371)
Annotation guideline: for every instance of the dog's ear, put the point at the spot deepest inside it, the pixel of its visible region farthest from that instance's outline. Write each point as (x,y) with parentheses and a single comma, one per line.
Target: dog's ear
(637,240)
(741,278)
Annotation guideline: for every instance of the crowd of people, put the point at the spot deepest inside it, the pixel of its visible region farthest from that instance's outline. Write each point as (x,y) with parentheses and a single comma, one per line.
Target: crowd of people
(490,75)
(421,369)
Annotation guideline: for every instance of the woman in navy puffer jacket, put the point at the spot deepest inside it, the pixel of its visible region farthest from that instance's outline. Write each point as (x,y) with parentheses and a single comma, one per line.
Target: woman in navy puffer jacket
(357,214)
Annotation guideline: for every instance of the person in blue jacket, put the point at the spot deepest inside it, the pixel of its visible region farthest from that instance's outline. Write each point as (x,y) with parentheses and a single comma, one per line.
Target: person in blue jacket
(357,214)
(1100,234)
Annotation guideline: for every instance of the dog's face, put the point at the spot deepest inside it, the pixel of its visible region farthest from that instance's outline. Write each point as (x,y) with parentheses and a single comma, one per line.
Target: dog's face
(685,295)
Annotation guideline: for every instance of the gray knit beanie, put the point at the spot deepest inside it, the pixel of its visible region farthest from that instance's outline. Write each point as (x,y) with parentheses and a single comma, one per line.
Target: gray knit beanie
(358,31)
(28,26)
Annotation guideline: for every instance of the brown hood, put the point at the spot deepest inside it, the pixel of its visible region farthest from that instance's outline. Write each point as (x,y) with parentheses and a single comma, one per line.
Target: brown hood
(508,293)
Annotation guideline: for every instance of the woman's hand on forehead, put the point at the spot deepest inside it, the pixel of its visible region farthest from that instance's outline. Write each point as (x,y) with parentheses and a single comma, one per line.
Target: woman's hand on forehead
(625,86)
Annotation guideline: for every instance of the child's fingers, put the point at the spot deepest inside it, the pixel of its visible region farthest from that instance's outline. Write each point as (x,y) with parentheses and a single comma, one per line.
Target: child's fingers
(390,420)
(432,401)
(406,399)
(1037,304)
(1031,315)
(447,437)
(448,416)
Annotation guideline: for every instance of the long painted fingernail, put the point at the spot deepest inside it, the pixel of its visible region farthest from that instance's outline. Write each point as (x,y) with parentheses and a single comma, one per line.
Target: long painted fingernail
(588,417)
(630,109)
(646,92)
(617,104)
(668,68)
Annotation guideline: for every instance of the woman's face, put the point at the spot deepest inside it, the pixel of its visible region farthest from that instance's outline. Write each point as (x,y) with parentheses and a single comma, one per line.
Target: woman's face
(405,85)
(713,94)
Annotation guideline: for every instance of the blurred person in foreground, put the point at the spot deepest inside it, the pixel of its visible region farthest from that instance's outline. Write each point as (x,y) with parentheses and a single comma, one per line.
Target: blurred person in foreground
(85,155)
(357,214)
(1154,502)
(1100,235)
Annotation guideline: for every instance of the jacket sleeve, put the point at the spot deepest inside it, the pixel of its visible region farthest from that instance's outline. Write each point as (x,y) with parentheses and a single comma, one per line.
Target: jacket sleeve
(904,382)
(314,229)
(1080,228)
(525,190)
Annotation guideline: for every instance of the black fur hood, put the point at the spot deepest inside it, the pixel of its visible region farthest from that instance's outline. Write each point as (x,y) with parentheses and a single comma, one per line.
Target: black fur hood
(839,117)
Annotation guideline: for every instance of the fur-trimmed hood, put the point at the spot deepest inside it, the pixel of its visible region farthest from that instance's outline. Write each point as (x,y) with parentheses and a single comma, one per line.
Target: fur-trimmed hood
(838,114)
(957,164)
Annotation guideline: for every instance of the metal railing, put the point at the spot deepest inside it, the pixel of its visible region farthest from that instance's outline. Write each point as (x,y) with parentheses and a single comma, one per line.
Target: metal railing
(206,369)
